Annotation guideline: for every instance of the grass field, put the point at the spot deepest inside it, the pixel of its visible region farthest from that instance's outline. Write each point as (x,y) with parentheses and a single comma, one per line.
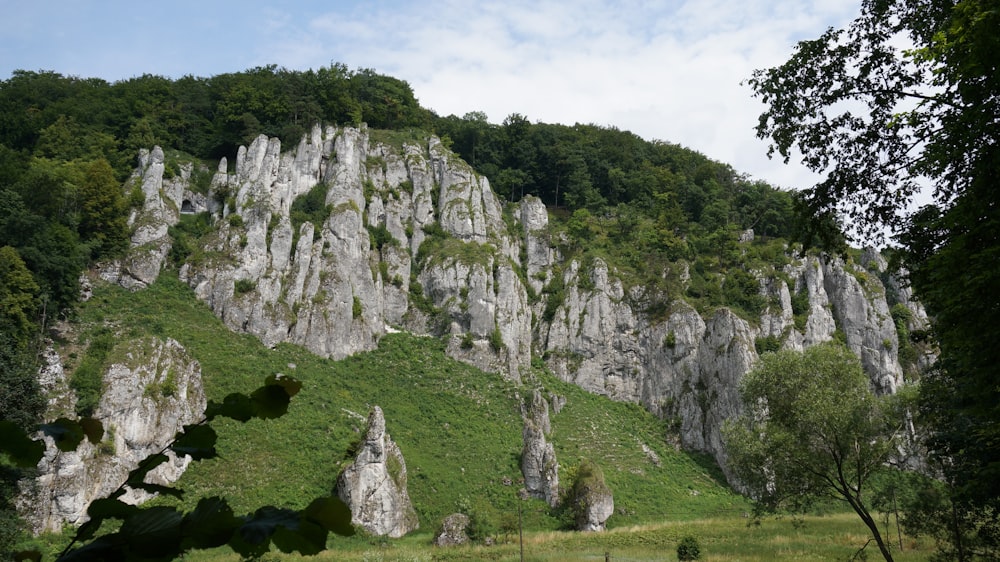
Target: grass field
(813,538)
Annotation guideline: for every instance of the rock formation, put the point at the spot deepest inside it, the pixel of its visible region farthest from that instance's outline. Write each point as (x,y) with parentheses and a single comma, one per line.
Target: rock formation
(538,456)
(373,485)
(452,531)
(415,239)
(592,500)
(148,397)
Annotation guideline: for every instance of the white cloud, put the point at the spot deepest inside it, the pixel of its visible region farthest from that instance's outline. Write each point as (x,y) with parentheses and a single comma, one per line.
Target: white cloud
(664,71)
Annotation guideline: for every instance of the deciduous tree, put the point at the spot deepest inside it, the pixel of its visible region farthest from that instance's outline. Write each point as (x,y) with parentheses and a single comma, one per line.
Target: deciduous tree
(812,429)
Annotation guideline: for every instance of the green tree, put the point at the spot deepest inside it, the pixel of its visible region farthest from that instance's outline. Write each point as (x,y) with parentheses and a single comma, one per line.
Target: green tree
(18,296)
(103,210)
(925,76)
(812,430)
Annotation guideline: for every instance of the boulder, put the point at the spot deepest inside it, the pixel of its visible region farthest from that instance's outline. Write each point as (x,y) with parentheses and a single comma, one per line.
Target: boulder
(452,531)
(592,501)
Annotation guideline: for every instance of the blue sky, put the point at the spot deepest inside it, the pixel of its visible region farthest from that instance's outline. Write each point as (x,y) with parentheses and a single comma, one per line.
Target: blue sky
(667,70)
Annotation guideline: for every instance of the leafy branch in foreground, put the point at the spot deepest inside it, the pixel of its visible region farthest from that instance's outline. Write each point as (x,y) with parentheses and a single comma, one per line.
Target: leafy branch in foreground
(163,532)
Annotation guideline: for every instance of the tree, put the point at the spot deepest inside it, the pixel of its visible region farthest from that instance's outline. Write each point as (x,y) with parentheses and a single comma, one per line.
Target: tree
(812,430)
(906,96)
(103,210)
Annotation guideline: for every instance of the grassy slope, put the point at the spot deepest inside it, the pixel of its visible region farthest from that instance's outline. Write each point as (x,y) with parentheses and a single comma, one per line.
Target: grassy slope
(459,428)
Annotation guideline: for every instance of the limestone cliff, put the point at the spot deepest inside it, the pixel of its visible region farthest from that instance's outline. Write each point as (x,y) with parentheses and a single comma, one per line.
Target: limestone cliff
(413,238)
(149,395)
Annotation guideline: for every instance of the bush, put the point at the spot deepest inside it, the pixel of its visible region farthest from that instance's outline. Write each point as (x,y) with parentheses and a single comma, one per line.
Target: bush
(688,549)
(242,286)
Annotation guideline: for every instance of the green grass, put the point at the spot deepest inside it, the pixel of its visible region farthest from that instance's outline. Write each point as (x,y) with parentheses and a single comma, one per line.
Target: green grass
(729,539)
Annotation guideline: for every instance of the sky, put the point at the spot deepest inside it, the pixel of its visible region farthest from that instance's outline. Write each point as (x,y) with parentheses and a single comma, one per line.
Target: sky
(670,70)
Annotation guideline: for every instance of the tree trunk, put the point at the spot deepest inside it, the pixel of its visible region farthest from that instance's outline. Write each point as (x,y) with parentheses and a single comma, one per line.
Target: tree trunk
(872,525)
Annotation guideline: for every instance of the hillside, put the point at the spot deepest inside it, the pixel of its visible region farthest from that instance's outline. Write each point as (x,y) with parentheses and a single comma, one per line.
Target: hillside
(458,427)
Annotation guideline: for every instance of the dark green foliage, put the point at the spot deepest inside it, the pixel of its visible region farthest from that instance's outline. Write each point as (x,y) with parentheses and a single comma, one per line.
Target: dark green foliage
(688,549)
(87,379)
(813,430)
(767,344)
(800,308)
(945,77)
(186,235)
(356,309)
(151,533)
(380,236)
(588,485)
(310,207)
(496,340)
(243,286)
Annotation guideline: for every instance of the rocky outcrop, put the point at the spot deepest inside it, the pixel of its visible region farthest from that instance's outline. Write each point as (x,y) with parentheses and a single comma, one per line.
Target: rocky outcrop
(148,398)
(373,485)
(452,531)
(413,238)
(538,456)
(335,285)
(164,199)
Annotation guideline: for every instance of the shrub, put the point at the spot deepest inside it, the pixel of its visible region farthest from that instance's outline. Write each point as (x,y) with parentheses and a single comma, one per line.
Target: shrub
(242,286)
(496,340)
(688,549)
(467,341)
(767,344)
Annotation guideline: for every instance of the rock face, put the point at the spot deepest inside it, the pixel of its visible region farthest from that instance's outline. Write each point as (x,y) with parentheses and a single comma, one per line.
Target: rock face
(452,531)
(413,239)
(538,456)
(147,399)
(374,484)
(334,285)
(163,201)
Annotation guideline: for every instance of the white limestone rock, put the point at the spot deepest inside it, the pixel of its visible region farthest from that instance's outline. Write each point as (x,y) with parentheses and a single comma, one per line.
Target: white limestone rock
(373,485)
(147,399)
(538,456)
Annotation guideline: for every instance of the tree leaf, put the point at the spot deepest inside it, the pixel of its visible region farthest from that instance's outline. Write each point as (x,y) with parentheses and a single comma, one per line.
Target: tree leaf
(196,441)
(153,532)
(291,385)
(66,433)
(22,450)
(104,548)
(211,524)
(158,489)
(259,528)
(138,475)
(93,429)
(306,538)
(332,514)
(107,508)
(270,401)
(234,406)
